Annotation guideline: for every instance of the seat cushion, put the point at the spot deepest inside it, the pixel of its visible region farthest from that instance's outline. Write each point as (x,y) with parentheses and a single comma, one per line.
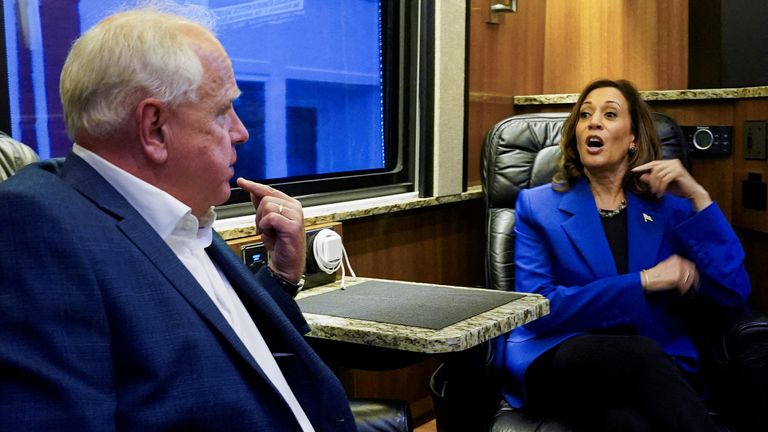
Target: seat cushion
(381,415)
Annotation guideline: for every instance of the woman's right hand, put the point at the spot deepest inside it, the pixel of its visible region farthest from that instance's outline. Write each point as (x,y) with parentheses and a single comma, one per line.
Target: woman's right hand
(674,272)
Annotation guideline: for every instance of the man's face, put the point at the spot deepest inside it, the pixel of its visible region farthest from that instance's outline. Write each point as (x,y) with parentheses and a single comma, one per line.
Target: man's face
(204,133)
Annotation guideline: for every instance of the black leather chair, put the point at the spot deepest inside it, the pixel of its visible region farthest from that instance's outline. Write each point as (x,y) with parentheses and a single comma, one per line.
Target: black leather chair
(521,152)
(381,415)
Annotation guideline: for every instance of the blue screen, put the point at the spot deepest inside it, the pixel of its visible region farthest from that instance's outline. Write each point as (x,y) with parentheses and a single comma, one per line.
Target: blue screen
(310,72)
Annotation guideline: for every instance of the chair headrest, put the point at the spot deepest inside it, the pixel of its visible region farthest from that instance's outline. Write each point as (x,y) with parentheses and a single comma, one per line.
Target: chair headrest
(13,156)
(520,152)
(523,151)
(672,139)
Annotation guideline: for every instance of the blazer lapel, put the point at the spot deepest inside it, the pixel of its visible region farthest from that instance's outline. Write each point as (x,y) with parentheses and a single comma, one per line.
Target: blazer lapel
(586,231)
(163,258)
(88,182)
(645,226)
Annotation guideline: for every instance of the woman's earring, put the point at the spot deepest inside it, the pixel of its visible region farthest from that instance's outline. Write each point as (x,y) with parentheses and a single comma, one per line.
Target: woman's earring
(632,151)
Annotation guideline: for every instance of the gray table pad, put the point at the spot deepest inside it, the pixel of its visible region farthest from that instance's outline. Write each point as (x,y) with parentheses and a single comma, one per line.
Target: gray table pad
(417,305)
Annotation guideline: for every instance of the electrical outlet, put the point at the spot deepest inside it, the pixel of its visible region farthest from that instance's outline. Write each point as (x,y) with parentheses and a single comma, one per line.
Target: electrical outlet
(754,140)
(254,255)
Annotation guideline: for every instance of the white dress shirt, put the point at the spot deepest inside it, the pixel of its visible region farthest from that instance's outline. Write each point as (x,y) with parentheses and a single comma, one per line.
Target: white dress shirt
(188,237)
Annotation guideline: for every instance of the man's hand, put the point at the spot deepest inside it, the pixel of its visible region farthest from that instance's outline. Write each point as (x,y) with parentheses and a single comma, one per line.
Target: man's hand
(280,221)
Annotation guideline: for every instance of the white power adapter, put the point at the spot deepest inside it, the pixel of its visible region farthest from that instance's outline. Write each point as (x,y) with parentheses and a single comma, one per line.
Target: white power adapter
(328,250)
(328,254)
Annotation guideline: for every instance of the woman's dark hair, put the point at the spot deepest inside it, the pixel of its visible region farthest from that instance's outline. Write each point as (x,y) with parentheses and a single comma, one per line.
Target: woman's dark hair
(643,128)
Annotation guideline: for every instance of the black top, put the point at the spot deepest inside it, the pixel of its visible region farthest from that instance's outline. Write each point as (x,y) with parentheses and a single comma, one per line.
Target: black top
(616,232)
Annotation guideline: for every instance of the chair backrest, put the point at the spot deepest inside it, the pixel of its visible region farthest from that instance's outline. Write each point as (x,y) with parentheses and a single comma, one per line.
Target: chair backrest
(13,156)
(522,152)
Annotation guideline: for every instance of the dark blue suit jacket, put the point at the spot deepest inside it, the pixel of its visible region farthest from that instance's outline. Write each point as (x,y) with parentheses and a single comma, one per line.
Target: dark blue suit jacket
(561,252)
(103,328)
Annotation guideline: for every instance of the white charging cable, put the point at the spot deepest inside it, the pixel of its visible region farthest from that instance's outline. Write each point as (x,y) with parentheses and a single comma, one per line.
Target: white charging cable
(352,272)
(330,253)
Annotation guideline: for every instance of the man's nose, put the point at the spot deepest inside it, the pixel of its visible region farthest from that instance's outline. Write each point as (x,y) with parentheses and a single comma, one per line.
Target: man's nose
(238,133)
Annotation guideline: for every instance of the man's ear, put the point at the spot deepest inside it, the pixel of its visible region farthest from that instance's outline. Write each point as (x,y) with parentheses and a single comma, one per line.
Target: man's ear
(152,116)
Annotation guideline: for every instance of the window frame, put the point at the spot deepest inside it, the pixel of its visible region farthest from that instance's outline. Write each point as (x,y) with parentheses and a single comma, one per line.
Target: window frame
(400,25)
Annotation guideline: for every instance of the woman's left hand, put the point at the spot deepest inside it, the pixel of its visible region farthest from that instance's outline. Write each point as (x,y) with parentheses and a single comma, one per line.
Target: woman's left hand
(674,272)
(669,175)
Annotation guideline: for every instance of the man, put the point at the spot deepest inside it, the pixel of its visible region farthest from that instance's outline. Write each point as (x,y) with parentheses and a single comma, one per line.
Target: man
(119,307)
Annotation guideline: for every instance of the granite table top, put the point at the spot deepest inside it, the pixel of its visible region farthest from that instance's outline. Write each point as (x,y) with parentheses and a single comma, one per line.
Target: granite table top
(454,338)
(472,192)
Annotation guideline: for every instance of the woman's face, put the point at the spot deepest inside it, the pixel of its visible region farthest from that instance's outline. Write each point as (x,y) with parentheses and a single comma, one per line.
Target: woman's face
(604,132)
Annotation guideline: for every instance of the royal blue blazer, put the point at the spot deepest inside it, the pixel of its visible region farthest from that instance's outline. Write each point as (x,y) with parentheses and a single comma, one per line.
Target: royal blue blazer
(103,328)
(561,252)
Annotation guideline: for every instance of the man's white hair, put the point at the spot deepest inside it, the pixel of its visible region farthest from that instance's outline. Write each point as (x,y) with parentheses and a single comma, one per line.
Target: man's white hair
(129,56)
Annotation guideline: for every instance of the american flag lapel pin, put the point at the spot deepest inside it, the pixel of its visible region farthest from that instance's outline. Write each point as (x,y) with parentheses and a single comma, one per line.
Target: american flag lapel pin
(647,218)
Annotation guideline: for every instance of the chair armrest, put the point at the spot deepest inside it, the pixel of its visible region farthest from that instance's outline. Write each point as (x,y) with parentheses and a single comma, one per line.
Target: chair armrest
(508,419)
(747,341)
(381,415)
(740,379)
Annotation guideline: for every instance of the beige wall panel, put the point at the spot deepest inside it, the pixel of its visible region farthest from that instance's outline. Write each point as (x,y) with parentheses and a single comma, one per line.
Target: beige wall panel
(507,58)
(589,39)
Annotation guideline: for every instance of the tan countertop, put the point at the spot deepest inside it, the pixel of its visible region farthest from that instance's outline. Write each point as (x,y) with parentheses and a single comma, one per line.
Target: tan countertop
(457,337)
(473,192)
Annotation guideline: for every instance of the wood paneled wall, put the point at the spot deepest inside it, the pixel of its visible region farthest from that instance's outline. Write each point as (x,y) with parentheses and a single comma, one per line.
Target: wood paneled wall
(441,245)
(558,46)
(505,60)
(641,41)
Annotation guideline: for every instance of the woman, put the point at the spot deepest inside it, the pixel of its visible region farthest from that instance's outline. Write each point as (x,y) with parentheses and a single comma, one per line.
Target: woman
(616,243)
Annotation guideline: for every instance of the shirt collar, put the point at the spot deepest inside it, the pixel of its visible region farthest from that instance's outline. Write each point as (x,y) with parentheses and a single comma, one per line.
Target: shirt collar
(162,211)
(193,232)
